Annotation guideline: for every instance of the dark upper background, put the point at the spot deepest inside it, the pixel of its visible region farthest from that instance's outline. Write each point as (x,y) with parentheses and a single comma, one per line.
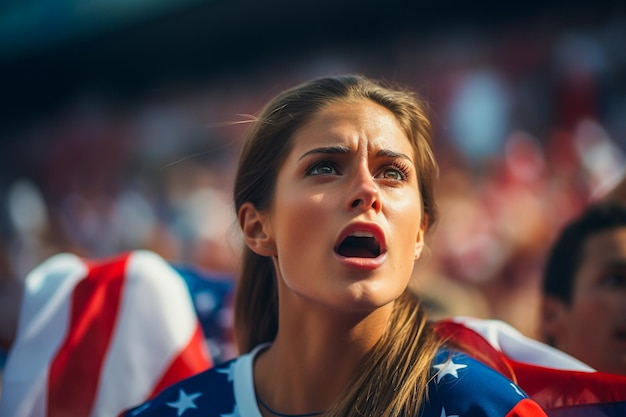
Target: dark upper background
(50,49)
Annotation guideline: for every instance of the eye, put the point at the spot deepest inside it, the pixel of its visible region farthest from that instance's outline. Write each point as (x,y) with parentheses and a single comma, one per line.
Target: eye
(614,280)
(322,168)
(395,172)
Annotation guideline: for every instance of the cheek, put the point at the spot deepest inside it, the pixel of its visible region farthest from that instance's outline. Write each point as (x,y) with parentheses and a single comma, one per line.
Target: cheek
(299,223)
(594,309)
(407,219)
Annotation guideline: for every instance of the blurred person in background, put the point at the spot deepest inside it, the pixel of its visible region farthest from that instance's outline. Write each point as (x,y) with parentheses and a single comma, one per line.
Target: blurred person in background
(615,193)
(10,300)
(584,288)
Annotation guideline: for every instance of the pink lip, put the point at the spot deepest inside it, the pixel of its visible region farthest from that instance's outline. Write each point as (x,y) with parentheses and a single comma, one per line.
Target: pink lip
(363,263)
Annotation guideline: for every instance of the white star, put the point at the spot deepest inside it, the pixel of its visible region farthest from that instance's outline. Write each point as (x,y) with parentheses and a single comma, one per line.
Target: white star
(443,413)
(230,372)
(184,402)
(448,368)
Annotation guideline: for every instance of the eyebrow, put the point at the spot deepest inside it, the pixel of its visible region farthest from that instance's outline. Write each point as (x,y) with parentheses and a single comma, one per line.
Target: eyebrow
(388,153)
(326,150)
(614,264)
(393,154)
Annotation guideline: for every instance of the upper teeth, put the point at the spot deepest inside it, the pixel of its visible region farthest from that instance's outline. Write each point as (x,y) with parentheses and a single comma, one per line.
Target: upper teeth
(363,234)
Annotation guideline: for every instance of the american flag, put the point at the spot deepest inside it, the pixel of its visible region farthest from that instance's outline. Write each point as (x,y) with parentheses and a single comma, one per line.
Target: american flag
(561,384)
(461,386)
(96,337)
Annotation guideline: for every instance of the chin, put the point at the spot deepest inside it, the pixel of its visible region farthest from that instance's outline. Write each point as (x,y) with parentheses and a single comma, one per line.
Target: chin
(369,300)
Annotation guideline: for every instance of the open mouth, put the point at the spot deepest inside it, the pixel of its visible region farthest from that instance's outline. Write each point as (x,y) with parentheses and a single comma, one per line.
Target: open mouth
(359,245)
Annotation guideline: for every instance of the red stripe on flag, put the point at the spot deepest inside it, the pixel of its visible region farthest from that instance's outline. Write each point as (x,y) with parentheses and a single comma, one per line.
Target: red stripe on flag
(191,359)
(553,388)
(75,369)
(526,407)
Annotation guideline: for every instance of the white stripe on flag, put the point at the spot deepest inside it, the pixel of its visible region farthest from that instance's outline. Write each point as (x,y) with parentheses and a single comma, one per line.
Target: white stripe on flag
(155,322)
(518,347)
(42,327)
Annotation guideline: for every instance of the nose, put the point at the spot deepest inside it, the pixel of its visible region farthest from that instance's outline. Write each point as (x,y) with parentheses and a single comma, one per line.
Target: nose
(364,193)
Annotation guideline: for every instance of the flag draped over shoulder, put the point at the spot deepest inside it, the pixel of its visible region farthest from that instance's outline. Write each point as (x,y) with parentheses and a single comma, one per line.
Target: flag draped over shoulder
(561,384)
(97,337)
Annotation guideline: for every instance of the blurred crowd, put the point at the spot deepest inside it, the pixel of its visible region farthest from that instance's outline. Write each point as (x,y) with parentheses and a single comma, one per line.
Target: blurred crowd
(529,128)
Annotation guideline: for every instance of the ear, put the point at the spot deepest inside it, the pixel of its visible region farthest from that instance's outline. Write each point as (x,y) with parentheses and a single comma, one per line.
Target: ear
(419,241)
(553,316)
(254,225)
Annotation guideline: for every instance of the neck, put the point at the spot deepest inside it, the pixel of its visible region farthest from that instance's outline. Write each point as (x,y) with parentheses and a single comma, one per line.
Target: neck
(314,357)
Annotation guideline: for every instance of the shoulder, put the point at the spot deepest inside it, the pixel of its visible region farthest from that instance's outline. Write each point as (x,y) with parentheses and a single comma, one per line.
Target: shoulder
(210,392)
(461,385)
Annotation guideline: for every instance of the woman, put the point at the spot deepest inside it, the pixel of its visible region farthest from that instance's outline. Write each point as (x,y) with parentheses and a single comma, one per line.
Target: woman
(334,196)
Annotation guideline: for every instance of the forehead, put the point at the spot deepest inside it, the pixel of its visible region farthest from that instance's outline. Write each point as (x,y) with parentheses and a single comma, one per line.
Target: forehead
(604,249)
(350,123)
(608,243)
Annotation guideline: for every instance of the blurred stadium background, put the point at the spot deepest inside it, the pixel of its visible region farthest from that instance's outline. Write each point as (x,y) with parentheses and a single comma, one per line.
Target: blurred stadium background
(119,124)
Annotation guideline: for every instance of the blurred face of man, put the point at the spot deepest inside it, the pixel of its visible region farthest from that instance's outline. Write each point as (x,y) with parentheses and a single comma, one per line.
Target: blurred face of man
(593,327)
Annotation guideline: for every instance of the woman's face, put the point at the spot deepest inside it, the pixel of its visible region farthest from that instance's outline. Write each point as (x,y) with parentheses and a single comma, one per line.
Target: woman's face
(346,216)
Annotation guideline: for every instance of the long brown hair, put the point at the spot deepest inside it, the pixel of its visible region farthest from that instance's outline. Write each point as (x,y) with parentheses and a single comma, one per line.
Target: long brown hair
(394,376)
